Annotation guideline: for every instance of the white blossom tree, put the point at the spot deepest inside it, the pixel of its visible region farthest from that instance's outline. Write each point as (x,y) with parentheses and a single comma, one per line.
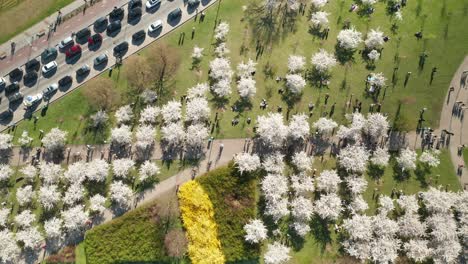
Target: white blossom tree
(417,250)
(295,83)
(50,173)
(255,231)
(5,141)
(30,237)
(353,158)
(49,196)
(409,203)
(197,110)
(222,50)
(385,204)
(299,128)
(277,209)
(430,158)
(246,162)
(55,139)
(302,184)
(99,119)
(407,159)
(121,194)
(222,88)
(76,173)
(4,213)
(25,139)
(121,135)
(358,205)
(247,69)
(220,68)
(375,39)
(221,31)
(302,161)
(410,226)
(145,136)
(376,126)
(373,55)
(271,129)
(199,90)
(377,79)
(359,227)
(75,218)
(9,250)
(384,249)
(274,186)
(380,157)
(173,133)
(24,194)
(25,218)
(97,170)
(148,170)
(172,111)
(124,114)
(197,54)
(29,172)
(53,228)
(328,181)
(196,136)
(323,61)
(73,194)
(149,115)
(97,203)
(276,253)
(246,87)
(122,167)
(302,208)
(296,63)
(328,206)
(319,19)
(437,201)
(349,39)
(5,172)
(325,125)
(274,163)
(319,3)
(356,185)
(149,96)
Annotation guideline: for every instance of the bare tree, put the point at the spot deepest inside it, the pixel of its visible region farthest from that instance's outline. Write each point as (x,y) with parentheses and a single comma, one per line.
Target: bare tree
(164,64)
(175,243)
(139,75)
(101,93)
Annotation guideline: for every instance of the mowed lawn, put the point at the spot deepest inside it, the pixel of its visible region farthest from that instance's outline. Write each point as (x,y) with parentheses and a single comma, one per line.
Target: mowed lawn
(18,15)
(444,41)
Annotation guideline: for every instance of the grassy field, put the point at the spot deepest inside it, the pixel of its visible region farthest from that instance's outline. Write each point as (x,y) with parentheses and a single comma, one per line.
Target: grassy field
(18,15)
(443,40)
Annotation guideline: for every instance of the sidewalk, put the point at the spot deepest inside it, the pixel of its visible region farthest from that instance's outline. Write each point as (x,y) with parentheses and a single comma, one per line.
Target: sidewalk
(31,43)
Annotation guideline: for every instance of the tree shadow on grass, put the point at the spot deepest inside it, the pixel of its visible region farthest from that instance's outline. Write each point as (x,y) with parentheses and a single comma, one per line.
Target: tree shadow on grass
(321,232)
(421,171)
(344,55)
(399,174)
(375,172)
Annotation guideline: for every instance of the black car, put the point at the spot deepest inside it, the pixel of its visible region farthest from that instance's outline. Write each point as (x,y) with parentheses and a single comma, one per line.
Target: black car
(114,26)
(49,54)
(139,35)
(16,73)
(192,3)
(100,22)
(30,76)
(6,114)
(84,33)
(83,70)
(134,13)
(12,87)
(117,13)
(134,4)
(176,13)
(121,48)
(65,80)
(15,97)
(32,65)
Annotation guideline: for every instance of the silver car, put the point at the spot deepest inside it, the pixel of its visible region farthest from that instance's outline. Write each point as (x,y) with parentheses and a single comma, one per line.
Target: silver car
(65,43)
(49,67)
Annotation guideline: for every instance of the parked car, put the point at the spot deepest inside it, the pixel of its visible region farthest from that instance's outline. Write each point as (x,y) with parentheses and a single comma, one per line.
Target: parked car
(30,76)
(138,35)
(50,90)
(134,4)
(73,51)
(114,26)
(176,13)
(49,54)
(94,39)
(49,67)
(120,48)
(32,65)
(31,100)
(2,82)
(6,114)
(100,59)
(83,70)
(134,13)
(157,25)
(84,33)
(15,97)
(192,3)
(117,13)
(16,73)
(100,22)
(152,3)
(65,43)
(12,87)
(65,80)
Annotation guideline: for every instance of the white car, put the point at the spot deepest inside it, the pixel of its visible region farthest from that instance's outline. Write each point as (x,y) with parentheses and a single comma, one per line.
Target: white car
(32,99)
(50,89)
(152,3)
(49,67)
(65,43)
(2,82)
(155,26)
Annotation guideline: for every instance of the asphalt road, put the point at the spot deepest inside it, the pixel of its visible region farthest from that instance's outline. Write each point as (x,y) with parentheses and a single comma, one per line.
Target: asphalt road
(69,67)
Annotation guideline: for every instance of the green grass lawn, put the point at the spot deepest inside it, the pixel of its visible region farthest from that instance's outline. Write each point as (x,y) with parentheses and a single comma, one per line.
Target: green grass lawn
(443,40)
(18,15)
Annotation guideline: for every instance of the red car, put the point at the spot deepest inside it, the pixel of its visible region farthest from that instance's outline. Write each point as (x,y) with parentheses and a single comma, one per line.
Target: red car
(94,39)
(74,50)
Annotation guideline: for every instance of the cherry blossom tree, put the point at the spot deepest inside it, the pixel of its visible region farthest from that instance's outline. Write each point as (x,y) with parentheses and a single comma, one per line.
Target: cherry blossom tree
(384,249)
(319,19)
(246,70)
(277,209)
(430,158)
(199,90)
(97,170)
(49,196)
(145,136)
(9,250)
(325,125)
(121,135)
(148,170)
(73,194)
(299,128)
(197,54)
(377,79)
(29,172)
(222,88)
(437,201)
(4,213)
(323,61)
(122,167)
(302,161)
(407,159)
(276,253)
(196,136)
(221,31)
(50,173)
(220,69)
(302,184)
(173,134)
(302,228)
(410,226)
(385,204)
(409,203)
(55,139)
(375,39)
(121,194)
(328,181)
(380,157)
(255,231)
(221,50)
(373,55)
(53,228)
(99,119)
(328,206)
(274,163)
(246,87)
(172,111)
(25,139)
(417,250)
(149,115)
(271,129)
(358,227)
(354,131)
(5,141)
(349,39)
(358,205)
(246,162)
(356,185)
(97,203)
(295,83)
(24,194)
(302,208)
(319,3)
(274,186)
(30,237)
(353,158)
(25,218)
(5,172)
(74,219)
(76,173)
(197,110)
(296,63)
(149,96)
(376,126)
(124,114)
(368,2)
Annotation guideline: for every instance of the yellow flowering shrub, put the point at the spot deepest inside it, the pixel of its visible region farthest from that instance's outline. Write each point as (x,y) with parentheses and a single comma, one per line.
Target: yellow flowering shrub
(198,217)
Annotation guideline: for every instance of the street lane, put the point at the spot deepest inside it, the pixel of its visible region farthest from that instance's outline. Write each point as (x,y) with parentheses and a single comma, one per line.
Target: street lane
(107,46)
